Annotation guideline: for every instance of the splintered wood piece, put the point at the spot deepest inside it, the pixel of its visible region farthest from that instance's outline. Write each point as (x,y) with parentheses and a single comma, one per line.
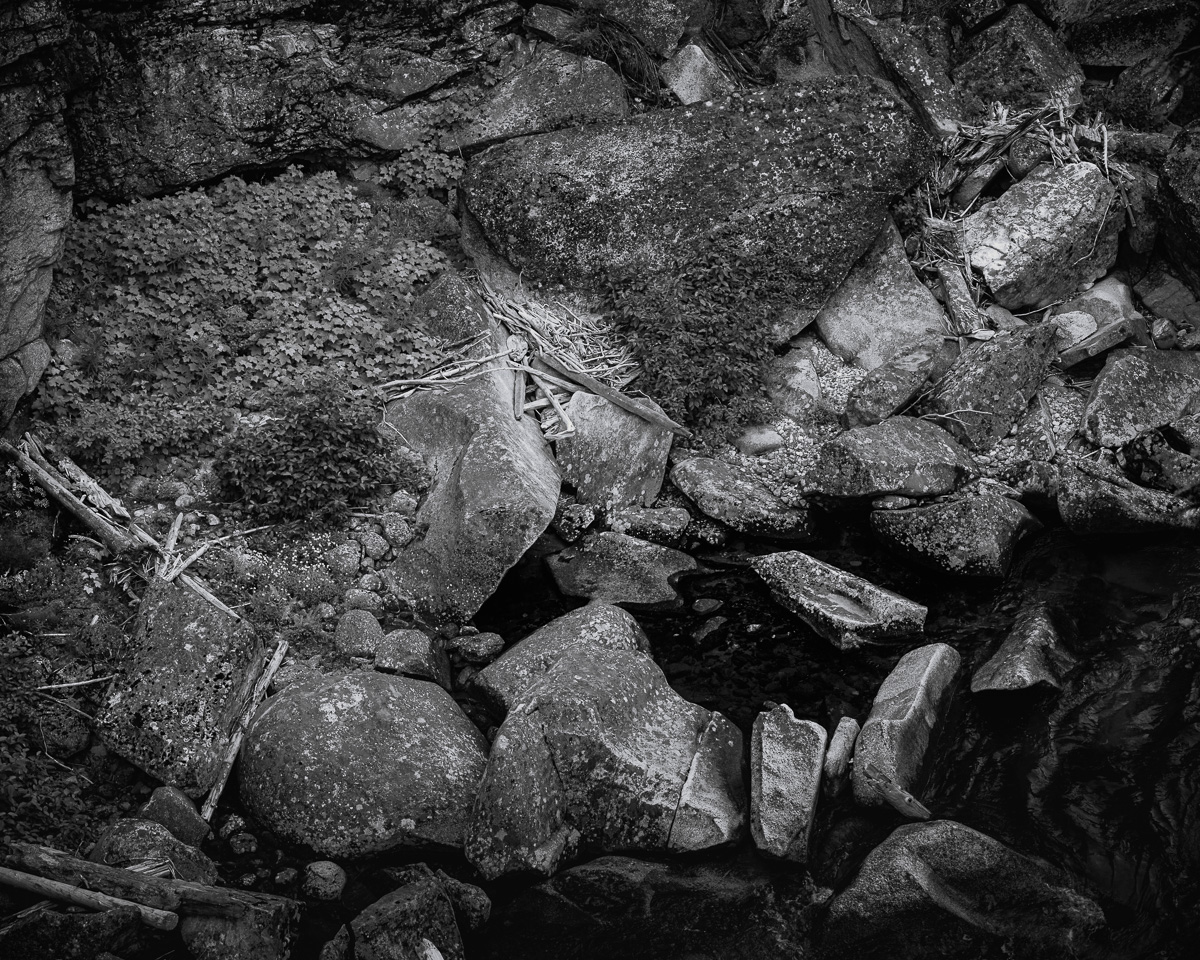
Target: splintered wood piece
(568,428)
(519,393)
(173,535)
(65,893)
(76,474)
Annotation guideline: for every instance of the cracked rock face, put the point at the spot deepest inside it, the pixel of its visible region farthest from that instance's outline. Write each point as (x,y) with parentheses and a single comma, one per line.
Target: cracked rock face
(602,752)
(1139,390)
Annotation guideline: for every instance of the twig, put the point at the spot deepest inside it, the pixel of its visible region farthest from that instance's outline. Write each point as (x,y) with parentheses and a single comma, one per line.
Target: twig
(176,570)
(77,683)
(173,535)
(568,428)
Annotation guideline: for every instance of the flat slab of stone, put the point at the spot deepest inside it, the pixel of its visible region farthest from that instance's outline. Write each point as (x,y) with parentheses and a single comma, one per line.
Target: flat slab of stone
(893,385)
(602,751)
(505,680)
(975,536)
(1030,655)
(181,686)
(353,764)
(739,501)
(846,610)
(1046,235)
(881,309)
(616,458)
(988,388)
(894,742)
(620,569)
(902,455)
(1094,499)
(786,762)
(1140,389)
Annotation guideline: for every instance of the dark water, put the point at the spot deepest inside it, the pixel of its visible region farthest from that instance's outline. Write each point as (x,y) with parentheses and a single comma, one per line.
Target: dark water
(1101,779)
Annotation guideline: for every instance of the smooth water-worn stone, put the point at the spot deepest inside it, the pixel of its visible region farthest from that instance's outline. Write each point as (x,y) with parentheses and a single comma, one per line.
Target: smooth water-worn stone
(846,610)
(894,743)
(881,309)
(975,536)
(394,926)
(413,653)
(902,455)
(1095,498)
(495,484)
(990,385)
(1018,61)
(362,762)
(786,761)
(133,842)
(663,525)
(357,633)
(620,569)
(505,681)
(739,501)
(1046,235)
(602,751)
(892,386)
(181,686)
(757,440)
(693,77)
(941,889)
(743,175)
(616,906)
(1031,654)
(1138,390)
(616,458)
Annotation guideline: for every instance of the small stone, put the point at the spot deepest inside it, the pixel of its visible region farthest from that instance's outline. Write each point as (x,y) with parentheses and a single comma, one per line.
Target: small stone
(397,529)
(175,810)
(757,441)
(374,545)
(573,519)
(706,605)
(479,648)
(403,503)
(693,77)
(786,757)
(358,633)
(369,581)
(413,653)
(243,844)
(364,600)
(324,880)
(343,559)
(286,878)
(710,627)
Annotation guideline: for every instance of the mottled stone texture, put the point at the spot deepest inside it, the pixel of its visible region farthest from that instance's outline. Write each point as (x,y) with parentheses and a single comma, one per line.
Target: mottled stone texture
(786,763)
(1140,389)
(620,569)
(739,501)
(1180,195)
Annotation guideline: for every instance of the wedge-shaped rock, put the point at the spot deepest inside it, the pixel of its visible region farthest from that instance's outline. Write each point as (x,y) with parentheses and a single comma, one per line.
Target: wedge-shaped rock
(362,762)
(783,174)
(505,680)
(495,485)
(268,927)
(786,760)
(893,745)
(693,77)
(181,687)
(1093,498)
(1046,235)
(902,455)
(892,386)
(1138,390)
(881,309)
(988,387)
(941,889)
(972,537)
(615,459)
(620,569)
(739,501)
(602,751)
(1031,654)
(846,610)
(395,925)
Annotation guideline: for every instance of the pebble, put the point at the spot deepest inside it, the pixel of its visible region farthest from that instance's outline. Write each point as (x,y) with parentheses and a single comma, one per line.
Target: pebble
(706,605)
(324,880)
(243,843)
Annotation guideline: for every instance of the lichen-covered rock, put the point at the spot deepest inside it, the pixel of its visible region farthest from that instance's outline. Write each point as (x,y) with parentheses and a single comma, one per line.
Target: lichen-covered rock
(357,633)
(786,761)
(893,385)
(175,810)
(846,610)
(1030,655)
(181,687)
(942,889)
(602,751)
(973,537)
(1179,190)
(413,653)
(615,459)
(1096,498)
(1046,235)
(657,23)
(664,525)
(75,936)
(743,175)
(267,930)
(620,569)
(357,763)
(739,501)
(1138,390)
(504,682)
(495,485)
(693,77)
(132,842)
(988,387)
(893,745)
(902,455)
(881,309)
(395,925)
(1018,61)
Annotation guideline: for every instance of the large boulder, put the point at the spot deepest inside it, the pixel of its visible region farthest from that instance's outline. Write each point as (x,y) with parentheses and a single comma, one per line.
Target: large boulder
(1047,235)
(743,175)
(989,386)
(495,484)
(1138,390)
(739,501)
(617,906)
(618,568)
(602,752)
(181,686)
(1179,190)
(846,610)
(881,309)
(941,889)
(503,682)
(902,455)
(975,536)
(356,763)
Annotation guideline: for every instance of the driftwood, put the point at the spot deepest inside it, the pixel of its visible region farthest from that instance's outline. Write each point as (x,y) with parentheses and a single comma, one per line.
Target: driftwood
(66,893)
(158,893)
(73,472)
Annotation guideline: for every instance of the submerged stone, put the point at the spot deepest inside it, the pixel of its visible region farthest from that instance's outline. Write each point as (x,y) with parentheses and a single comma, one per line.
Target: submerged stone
(620,569)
